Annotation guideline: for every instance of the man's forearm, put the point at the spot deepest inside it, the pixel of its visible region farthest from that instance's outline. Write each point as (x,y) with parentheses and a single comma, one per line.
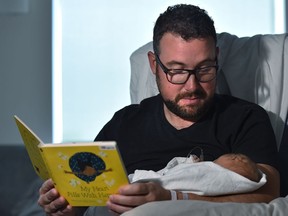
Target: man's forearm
(241,198)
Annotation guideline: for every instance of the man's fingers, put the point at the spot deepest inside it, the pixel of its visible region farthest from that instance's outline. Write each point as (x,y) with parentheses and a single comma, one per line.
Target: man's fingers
(46,186)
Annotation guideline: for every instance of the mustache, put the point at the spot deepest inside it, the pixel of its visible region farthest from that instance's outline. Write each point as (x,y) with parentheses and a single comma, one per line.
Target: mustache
(197,93)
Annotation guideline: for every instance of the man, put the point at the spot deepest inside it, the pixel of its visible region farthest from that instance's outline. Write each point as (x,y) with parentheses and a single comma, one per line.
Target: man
(186,114)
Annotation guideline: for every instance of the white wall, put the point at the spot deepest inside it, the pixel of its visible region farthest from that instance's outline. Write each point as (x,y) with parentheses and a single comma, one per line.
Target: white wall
(286,15)
(25,70)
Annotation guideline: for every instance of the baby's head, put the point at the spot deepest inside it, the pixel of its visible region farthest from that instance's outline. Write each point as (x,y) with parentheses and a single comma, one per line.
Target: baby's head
(240,164)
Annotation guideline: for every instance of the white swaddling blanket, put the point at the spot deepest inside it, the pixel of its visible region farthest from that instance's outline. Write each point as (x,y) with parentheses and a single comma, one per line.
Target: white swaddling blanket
(202,178)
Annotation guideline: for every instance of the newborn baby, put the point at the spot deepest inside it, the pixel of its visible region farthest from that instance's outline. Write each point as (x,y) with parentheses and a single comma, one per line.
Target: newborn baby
(229,174)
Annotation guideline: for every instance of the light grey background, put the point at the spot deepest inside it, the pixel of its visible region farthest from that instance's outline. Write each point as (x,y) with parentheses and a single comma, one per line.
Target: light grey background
(25,70)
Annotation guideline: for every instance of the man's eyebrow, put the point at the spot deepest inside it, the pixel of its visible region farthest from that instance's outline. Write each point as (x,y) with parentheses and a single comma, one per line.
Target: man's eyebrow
(178,63)
(174,62)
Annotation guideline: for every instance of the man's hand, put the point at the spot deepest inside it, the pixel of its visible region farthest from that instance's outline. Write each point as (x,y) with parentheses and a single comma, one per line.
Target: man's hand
(51,201)
(133,195)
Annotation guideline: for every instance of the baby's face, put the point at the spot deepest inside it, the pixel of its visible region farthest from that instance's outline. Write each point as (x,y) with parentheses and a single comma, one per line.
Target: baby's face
(240,164)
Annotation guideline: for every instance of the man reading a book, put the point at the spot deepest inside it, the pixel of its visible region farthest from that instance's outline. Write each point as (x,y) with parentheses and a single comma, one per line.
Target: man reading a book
(187,113)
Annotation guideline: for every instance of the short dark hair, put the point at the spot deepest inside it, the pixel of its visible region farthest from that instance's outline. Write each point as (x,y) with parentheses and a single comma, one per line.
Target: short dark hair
(187,21)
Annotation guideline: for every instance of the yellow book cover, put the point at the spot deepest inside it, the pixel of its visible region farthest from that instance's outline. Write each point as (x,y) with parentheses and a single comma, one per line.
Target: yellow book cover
(86,174)
(31,142)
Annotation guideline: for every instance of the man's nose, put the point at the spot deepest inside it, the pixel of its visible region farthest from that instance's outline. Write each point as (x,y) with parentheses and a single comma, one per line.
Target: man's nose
(191,83)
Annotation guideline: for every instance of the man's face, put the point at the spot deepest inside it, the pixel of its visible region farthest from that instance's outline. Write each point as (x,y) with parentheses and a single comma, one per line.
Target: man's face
(190,100)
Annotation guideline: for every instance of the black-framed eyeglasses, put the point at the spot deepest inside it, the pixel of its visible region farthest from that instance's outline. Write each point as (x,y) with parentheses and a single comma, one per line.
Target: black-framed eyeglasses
(180,76)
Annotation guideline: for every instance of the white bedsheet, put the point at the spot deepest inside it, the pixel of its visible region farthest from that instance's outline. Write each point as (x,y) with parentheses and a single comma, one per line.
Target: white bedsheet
(277,207)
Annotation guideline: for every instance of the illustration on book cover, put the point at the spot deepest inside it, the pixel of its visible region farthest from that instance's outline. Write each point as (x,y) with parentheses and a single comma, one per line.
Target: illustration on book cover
(86,166)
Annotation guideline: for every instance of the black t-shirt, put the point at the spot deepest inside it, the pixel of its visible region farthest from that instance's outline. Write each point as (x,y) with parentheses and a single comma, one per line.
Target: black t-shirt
(147,140)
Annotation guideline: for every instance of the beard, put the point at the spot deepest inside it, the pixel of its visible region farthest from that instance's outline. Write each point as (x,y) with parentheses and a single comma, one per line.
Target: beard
(190,112)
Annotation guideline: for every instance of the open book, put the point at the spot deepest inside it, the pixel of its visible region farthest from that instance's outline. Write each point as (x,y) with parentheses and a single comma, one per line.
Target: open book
(84,173)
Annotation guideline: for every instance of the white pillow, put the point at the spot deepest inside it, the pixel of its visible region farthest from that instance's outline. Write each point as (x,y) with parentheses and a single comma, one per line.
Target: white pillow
(277,207)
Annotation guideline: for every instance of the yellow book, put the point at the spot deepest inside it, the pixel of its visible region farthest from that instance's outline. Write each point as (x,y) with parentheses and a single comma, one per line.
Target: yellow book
(84,173)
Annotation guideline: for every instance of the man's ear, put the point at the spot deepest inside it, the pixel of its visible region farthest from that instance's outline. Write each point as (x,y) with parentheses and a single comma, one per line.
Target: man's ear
(152,61)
